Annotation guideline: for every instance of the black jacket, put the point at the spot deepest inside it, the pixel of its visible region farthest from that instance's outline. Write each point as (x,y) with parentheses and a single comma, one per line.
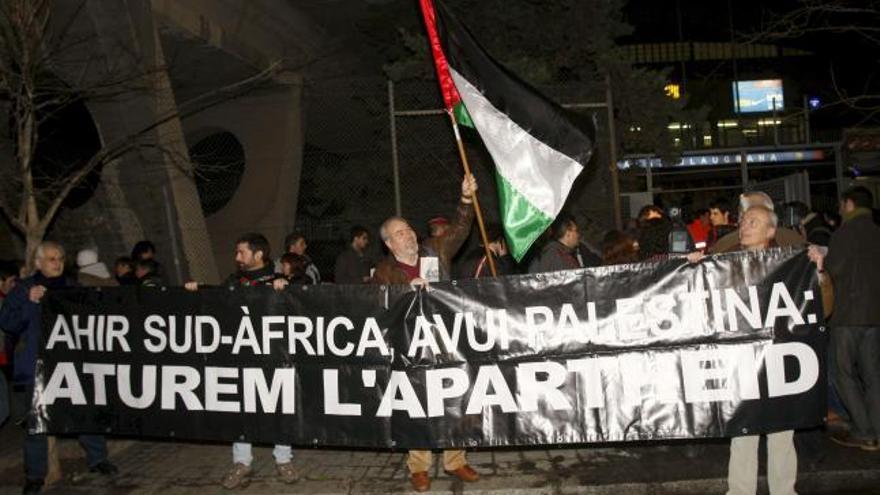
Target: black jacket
(263,276)
(554,257)
(351,267)
(853,262)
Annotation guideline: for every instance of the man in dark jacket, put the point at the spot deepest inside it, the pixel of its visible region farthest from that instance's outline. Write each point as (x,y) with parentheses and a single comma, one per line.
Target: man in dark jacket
(352,265)
(20,316)
(853,263)
(408,264)
(559,252)
(255,268)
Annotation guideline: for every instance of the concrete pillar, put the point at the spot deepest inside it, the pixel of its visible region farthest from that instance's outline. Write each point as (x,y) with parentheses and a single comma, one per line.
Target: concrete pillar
(268,124)
(147,193)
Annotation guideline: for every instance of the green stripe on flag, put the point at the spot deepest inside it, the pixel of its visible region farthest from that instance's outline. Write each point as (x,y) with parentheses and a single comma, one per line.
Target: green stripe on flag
(462,116)
(523,223)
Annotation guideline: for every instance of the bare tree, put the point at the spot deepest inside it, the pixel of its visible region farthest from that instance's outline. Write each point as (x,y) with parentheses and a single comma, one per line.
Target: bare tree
(852,23)
(31,45)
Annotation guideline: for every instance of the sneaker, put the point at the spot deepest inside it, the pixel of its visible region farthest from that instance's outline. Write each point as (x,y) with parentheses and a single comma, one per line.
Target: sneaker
(847,440)
(33,487)
(105,468)
(237,477)
(286,472)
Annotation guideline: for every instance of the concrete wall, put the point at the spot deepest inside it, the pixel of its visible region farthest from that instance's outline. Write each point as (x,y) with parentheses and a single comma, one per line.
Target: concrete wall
(149,193)
(145,193)
(268,124)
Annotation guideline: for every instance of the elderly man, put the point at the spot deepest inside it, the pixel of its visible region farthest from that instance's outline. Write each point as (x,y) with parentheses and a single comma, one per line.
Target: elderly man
(410,263)
(757,231)
(20,316)
(783,237)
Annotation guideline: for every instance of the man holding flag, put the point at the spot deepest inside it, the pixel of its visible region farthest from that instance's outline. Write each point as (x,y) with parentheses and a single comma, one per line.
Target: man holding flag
(538,153)
(409,263)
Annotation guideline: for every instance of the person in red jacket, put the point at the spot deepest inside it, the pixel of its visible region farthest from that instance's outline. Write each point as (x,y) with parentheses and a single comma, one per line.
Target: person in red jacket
(700,228)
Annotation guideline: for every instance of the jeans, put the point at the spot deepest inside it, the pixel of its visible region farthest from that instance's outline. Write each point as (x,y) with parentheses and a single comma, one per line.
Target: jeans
(857,377)
(36,449)
(241,454)
(834,402)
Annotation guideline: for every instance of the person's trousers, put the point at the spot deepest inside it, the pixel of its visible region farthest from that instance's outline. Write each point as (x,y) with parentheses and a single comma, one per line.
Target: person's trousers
(742,472)
(834,402)
(857,377)
(420,460)
(242,453)
(36,449)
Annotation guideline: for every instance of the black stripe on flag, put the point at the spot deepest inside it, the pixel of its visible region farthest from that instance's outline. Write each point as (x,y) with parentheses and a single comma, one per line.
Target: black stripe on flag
(538,115)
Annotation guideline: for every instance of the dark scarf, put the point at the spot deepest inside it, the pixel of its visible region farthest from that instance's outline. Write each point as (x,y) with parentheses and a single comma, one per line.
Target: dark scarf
(51,282)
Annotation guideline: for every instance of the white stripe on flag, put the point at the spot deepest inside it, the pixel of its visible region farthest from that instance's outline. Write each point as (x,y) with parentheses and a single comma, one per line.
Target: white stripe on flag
(541,174)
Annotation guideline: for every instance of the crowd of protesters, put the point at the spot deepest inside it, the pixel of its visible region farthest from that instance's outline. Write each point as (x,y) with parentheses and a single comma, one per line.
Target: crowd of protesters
(844,247)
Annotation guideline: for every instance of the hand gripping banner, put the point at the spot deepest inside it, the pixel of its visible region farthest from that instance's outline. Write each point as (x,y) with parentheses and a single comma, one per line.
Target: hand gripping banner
(730,346)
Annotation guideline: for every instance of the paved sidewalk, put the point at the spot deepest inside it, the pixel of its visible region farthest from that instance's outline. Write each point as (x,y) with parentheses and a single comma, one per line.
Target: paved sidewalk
(172,468)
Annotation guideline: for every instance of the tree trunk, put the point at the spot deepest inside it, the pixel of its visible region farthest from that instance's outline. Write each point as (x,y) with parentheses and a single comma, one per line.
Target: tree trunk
(33,238)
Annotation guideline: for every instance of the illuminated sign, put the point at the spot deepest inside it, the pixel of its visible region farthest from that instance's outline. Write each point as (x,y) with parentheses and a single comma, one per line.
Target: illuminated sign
(673,91)
(757,96)
(727,159)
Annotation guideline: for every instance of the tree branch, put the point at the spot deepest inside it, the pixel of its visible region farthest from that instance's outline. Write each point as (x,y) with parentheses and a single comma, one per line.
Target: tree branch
(130,142)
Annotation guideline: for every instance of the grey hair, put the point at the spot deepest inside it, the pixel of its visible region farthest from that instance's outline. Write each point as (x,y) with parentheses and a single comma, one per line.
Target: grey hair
(754,198)
(41,251)
(774,219)
(383,229)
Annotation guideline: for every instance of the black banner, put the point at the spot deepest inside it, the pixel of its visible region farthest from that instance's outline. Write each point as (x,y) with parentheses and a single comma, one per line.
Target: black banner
(733,345)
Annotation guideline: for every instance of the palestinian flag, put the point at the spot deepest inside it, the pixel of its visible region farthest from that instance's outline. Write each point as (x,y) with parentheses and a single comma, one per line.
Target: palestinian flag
(538,151)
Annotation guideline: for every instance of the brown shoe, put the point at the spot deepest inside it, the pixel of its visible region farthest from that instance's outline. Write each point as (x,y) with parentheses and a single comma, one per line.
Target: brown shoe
(847,440)
(421,482)
(286,472)
(465,473)
(237,477)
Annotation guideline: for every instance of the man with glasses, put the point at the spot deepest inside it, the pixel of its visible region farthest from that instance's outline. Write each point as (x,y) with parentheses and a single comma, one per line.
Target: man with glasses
(784,237)
(21,316)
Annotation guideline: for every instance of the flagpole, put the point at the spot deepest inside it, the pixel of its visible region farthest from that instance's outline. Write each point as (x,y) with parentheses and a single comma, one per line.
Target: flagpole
(477,209)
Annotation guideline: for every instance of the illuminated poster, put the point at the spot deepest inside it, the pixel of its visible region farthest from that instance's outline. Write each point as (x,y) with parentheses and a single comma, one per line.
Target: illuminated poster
(757,96)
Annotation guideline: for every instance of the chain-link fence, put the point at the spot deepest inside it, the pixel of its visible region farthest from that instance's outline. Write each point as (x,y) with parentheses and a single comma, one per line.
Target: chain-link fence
(348,174)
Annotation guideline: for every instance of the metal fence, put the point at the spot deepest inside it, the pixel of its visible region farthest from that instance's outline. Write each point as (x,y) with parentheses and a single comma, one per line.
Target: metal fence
(396,154)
